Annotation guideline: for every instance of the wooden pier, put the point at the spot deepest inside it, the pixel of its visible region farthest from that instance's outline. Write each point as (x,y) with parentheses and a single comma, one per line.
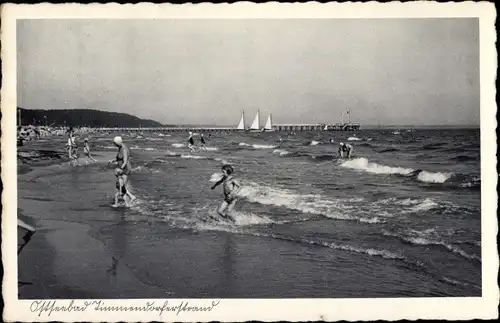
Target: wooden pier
(298,127)
(276,127)
(166,129)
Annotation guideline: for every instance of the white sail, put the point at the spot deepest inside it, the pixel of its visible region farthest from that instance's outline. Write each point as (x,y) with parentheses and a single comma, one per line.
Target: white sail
(256,122)
(269,123)
(241,125)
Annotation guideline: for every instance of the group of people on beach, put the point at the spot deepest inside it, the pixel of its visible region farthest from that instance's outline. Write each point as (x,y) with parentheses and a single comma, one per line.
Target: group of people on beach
(122,161)
(230,186)
(124,169)
(72,149)
(191,144)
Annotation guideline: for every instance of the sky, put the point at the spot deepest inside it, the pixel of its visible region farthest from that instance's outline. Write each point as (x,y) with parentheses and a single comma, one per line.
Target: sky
(386,71)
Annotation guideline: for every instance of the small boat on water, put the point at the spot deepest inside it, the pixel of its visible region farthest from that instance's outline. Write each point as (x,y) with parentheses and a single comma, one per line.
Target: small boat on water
(255,127)
(241,125)
(269,124)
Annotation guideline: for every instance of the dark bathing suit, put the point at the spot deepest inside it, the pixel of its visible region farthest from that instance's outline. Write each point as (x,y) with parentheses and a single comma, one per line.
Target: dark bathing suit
(191,141)
(202,140)
(119,158)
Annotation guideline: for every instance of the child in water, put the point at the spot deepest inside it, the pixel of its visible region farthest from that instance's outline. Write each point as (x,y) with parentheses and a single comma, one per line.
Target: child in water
(121,191)
(230,190)
(86,149)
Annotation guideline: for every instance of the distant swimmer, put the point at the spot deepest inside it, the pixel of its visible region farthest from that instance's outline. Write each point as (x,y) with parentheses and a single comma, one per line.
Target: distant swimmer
(202,139)
(332,141)
(191,142)
(345,150)
(230,190)
(123,161)
(86,149)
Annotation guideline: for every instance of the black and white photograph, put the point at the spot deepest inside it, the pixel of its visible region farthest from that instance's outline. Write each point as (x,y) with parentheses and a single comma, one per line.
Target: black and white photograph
(249,156)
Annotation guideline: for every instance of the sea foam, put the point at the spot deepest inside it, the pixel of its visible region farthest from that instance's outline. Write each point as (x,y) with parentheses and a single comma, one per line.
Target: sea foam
(364,164)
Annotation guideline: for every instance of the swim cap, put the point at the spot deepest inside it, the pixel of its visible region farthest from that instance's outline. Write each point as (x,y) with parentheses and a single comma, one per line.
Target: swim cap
(86,139)
(190,133)
(341,143)
(228,168)
(118,140)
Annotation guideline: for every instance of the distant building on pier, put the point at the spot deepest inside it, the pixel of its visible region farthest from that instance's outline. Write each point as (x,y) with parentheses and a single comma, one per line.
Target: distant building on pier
(343,126)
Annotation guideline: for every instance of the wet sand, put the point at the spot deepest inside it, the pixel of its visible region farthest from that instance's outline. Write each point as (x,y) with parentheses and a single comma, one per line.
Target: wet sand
(62,259)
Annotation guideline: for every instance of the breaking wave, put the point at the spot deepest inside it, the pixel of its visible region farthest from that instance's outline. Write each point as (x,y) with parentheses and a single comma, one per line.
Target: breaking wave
(281,152)
(307,203)
(420,238)
(429,177)
(257,146)
(364,165)
(423,176)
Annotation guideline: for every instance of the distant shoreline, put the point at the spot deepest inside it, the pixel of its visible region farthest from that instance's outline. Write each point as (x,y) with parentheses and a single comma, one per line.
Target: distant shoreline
(363,127)
(371,127)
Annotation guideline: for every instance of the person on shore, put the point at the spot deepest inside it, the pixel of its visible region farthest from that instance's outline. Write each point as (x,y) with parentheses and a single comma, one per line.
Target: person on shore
(72,148)
(345,150)
(86,149)
(123,162)
(27,237)
(191,142)
(230,189)
(202,140)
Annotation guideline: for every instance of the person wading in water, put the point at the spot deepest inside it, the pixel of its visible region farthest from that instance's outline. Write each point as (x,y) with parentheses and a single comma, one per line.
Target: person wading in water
(123,162)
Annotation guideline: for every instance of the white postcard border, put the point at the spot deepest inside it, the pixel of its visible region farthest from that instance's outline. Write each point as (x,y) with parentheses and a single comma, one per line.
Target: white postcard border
(458,308)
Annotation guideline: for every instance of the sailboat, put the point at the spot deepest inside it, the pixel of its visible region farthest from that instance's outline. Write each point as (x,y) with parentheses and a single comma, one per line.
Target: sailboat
(241,125)
(269,124)
(256,123)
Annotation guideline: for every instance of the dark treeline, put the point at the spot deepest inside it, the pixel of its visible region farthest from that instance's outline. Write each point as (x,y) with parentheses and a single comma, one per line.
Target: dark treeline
(82,118)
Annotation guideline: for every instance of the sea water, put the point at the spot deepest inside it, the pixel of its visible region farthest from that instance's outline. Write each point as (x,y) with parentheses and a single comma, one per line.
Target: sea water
(400,218)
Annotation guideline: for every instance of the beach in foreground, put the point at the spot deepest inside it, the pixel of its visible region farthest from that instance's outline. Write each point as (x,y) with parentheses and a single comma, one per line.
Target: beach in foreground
(401,218)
